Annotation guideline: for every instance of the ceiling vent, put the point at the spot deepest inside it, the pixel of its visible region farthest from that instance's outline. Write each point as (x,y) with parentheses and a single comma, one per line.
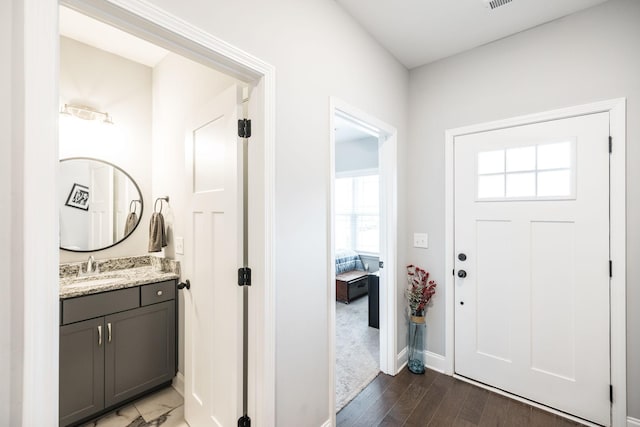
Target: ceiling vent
(494,4)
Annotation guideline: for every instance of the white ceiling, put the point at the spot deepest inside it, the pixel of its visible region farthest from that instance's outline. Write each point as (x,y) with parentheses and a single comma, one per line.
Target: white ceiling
(98,34)
(417,32)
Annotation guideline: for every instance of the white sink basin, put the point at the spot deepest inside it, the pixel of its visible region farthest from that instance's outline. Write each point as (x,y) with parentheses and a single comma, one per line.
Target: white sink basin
(89,282)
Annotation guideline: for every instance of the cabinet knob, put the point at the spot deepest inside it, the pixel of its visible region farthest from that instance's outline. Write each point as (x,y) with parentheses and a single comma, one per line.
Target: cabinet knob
(159,293)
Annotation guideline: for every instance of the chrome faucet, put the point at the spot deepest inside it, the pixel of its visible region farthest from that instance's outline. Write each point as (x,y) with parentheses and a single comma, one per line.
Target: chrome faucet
(92,267)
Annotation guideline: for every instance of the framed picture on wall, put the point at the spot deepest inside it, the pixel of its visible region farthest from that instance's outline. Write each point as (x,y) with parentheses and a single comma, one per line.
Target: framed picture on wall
(78,197)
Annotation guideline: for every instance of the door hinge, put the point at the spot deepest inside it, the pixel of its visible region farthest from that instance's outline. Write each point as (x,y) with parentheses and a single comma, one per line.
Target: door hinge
(610,268)
(244,128)
(244,421)
(610,393)
(244,276)
(380,264)
(610,144)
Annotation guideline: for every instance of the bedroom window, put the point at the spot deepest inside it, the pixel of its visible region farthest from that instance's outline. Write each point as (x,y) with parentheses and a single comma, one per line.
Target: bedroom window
(357,218)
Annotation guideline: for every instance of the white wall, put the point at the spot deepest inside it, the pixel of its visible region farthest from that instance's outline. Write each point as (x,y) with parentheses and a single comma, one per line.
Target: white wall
(312,44)
(93,77)
(590,56)
(180,87)
(357,154)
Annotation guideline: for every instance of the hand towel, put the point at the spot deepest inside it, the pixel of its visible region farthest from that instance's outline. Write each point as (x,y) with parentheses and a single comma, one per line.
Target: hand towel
(157,236)
(130,224)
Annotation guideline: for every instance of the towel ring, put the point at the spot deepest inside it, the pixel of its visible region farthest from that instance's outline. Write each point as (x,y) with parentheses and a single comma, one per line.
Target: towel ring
(133,203)
(160,199)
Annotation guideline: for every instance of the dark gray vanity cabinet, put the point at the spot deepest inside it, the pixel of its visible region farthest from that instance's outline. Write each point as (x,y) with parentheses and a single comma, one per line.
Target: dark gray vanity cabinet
(141,353)
(81,370)
(126,348)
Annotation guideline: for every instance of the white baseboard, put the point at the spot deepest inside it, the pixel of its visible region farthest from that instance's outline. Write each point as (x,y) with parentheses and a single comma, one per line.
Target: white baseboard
(327,423)
(633,422)
(402,360)
(435,361)
(432,361)
(178,383)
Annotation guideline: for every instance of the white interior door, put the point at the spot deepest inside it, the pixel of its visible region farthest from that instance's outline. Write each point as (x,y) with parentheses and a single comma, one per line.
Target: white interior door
(101,206)
(213,254)
(532,236)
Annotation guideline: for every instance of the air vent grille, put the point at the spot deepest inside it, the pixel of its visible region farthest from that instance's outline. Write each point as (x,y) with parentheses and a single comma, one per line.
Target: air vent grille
(494,4)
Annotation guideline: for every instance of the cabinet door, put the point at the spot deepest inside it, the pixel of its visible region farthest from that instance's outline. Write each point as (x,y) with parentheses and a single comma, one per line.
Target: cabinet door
(140,350)
(81,370)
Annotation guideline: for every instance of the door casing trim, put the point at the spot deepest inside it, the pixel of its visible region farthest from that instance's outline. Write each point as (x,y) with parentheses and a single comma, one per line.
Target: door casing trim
(388,297)
(617,185)
(154,24)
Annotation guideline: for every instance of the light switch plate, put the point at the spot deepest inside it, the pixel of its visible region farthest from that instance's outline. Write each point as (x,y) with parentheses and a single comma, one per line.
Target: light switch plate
(180,245)
(420,240)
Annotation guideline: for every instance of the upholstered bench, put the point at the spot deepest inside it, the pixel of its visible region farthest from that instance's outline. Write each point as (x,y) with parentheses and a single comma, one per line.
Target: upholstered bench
(351,277)
(351,285)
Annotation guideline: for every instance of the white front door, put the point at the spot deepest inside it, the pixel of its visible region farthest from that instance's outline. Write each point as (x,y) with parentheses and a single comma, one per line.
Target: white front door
(213,254)
(532,262)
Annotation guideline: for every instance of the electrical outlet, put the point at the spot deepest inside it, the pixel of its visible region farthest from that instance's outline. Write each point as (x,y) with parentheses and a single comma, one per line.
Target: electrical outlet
(180,245)
(420,240)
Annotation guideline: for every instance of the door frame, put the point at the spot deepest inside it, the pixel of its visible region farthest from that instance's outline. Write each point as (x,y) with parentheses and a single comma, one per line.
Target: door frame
(39,385)
(617,225)
(388,165)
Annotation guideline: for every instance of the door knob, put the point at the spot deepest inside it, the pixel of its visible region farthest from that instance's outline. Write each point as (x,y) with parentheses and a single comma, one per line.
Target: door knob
(462,257)
(185,284)
(462,274)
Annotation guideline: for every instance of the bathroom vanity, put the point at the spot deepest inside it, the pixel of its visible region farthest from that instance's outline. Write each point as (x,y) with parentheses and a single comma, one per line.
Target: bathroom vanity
(118,336)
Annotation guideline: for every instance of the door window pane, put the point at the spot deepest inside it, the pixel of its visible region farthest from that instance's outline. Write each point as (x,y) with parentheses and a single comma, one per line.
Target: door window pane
(521,184)
(491,162)
(529,173)
(490,186)
(521,159)
(554,156)
(554,183)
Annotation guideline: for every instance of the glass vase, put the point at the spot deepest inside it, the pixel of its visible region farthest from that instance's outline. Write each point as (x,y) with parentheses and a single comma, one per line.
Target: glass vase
(417,330)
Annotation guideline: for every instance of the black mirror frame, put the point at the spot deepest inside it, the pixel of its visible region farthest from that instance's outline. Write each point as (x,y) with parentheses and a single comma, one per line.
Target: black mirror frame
(141,204)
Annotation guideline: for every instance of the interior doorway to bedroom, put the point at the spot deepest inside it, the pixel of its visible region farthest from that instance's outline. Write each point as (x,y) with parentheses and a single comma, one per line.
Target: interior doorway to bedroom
(363,252)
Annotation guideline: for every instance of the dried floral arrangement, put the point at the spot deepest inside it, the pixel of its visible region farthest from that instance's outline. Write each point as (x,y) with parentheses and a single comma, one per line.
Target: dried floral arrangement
(419,289)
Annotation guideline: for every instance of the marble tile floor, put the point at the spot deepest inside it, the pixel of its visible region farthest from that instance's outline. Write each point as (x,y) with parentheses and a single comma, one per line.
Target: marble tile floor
(163,408)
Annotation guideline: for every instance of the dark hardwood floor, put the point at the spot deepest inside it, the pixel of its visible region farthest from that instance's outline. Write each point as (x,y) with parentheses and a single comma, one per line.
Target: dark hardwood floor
(434,399)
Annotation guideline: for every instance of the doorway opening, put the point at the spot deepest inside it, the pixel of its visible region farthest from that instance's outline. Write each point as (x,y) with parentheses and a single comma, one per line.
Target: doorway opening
(362,251)
(255,98)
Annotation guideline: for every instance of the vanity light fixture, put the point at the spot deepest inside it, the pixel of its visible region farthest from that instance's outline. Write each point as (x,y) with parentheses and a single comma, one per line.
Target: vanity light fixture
(86,113)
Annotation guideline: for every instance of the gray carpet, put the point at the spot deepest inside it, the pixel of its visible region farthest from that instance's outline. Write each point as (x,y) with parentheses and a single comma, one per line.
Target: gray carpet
(357,350)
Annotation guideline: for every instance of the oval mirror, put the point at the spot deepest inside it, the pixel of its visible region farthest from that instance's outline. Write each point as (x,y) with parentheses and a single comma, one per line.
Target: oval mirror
(100,204)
